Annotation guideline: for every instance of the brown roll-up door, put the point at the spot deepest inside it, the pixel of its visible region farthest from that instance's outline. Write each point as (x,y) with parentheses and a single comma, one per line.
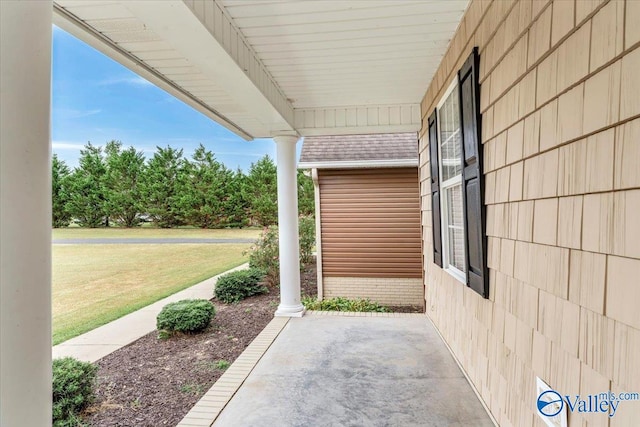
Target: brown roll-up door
(370,223)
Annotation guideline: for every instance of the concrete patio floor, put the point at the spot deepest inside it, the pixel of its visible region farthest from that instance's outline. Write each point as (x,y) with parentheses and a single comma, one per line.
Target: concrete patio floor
(337,370)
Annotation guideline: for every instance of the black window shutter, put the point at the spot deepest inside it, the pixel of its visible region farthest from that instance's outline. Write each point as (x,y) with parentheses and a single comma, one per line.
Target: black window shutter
(472,177)
(435,189)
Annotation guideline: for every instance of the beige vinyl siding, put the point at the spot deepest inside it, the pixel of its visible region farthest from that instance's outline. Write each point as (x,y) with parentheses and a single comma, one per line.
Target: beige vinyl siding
(370,223)
(561,137)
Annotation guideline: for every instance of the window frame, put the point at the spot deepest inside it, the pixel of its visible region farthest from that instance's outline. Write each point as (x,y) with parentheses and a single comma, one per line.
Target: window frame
(448,184)
(473,182)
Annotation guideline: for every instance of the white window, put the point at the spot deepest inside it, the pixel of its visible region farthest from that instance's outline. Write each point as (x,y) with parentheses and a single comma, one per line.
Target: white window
(450,164)
(458,215)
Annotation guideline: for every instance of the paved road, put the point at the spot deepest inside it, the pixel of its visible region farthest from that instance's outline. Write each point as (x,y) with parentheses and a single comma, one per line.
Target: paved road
(143,241)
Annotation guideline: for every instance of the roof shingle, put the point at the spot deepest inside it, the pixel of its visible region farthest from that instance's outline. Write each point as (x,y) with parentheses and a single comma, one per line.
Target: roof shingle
(359,148)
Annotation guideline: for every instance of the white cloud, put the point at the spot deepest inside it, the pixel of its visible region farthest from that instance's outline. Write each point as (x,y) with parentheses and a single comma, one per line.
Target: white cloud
(146,149)
(66,145)
(135,81)
(70,113)
(239,153)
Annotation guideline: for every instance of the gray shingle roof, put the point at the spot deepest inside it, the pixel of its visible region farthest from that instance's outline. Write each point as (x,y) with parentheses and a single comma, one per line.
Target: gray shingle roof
(323,151)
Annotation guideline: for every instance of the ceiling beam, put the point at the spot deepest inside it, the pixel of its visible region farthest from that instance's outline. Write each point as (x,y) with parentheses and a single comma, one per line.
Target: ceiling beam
(207,39)
(79,29)
(353,120)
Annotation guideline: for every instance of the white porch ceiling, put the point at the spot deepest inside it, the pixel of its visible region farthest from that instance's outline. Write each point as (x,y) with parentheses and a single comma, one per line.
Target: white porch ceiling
(264,67)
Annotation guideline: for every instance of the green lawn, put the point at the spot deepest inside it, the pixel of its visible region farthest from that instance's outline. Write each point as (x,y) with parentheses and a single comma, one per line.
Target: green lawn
(95,284)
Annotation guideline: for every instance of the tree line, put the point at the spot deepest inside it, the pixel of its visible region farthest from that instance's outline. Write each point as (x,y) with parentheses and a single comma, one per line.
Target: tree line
(119,186)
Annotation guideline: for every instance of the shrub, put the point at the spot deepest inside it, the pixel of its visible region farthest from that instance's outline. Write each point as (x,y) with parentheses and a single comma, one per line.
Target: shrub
(73,383)
(238,285)
(343,304)
(188,316)
(264,255)
(307,236)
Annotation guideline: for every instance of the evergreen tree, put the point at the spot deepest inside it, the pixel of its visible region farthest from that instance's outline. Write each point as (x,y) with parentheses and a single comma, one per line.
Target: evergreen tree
(163,181)
(261,191)
(125,169)
(87,190)
(59,192)
(205,190)
(306,197)
(236,206)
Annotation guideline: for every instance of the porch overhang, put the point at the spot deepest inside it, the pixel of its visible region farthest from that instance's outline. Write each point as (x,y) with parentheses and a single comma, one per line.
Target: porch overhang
(263,69)
(259,68)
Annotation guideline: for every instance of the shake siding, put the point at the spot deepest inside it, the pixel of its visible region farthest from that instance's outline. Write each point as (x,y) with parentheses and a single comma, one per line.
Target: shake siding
(560,102)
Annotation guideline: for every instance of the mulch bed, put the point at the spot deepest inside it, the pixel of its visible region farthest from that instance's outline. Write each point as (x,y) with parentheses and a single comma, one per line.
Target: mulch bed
(153,382)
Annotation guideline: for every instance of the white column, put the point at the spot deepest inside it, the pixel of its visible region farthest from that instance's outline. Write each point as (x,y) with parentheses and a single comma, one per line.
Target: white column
(25,213)
(288,228)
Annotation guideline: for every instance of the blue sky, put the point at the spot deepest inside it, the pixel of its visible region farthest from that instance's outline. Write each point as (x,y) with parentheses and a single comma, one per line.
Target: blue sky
(96,99)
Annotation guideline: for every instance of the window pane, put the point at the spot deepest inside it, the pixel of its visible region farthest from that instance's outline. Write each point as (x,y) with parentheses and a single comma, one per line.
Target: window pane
(455,226)
(450,139)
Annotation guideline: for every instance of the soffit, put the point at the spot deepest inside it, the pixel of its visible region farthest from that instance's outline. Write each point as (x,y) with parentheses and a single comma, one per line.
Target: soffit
(266,67)
(166,43)
(349,52)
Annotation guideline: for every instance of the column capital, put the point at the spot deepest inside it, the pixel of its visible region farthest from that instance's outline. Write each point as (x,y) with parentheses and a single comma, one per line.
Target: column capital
(292,139)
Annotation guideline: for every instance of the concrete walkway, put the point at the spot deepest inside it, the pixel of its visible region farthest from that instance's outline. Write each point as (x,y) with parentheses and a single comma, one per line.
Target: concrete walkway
(108,338)
(345,370)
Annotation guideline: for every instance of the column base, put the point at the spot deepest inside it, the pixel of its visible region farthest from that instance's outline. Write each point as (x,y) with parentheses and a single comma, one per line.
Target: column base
(290,311)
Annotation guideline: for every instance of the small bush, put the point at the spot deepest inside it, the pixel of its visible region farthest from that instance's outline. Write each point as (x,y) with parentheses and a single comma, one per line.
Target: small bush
(343,304)
(73,383)
(265,256)
(238,285)
(188,316)
(307,236)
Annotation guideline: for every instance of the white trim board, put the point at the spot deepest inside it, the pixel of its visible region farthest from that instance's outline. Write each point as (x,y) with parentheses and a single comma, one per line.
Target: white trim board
(359,164)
